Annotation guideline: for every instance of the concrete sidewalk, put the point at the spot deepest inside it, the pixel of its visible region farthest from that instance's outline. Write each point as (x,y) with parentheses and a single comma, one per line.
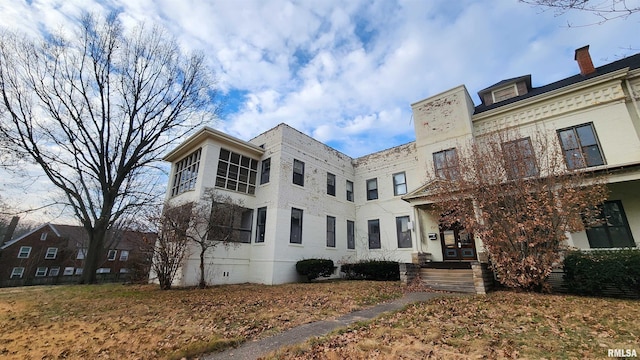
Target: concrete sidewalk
(254,349)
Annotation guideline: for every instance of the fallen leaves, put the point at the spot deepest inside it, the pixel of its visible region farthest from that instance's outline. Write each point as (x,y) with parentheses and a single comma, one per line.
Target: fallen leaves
(142,322)
(501,325)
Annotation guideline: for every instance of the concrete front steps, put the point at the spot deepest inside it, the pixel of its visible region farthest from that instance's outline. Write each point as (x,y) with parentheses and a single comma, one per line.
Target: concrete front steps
(457,280)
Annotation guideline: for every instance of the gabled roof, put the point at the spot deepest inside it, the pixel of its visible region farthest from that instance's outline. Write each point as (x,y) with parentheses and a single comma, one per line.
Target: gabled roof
(525,78)
(9,243)
(632,62)
(78,235)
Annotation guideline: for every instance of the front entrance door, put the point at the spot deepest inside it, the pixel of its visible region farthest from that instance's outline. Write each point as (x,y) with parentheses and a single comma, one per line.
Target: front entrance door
(457,244)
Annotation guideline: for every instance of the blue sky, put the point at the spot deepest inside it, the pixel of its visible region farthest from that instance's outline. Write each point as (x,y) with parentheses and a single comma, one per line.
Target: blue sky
(346,72)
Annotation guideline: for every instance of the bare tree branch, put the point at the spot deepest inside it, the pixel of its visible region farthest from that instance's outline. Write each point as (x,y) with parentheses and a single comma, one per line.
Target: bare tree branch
(95,109)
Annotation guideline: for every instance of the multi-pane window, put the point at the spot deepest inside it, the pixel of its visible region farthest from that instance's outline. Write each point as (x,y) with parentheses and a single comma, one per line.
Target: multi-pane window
(68,271)
(351,235)
(124,255)
(24,252)
(520,161)
(103,270)
(17,272)
(580,146)
(349,190)
(403,232)
(298,172)
(446,164)
(611,229)
(236,172)
(265,171)
(78,271)
(295,236)
(41,271)
(230,223)
(112,255)
(331,184)
(331,231)
(243,224)
(82,252)
(43,236)
(374,234)
(52,252)
(186,173)
(54,271)
(399,184)
(372,189)
(261,224)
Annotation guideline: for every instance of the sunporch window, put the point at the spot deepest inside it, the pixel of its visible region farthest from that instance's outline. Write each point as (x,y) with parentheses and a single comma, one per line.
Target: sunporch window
(611,229)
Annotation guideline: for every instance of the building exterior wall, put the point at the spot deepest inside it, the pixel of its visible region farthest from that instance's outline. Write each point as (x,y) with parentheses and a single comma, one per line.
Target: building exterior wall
(444,121)
(388,206)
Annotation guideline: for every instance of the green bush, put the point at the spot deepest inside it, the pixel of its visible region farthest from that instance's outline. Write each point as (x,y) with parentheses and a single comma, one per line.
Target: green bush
(372,270)
(314,268)
(603,272)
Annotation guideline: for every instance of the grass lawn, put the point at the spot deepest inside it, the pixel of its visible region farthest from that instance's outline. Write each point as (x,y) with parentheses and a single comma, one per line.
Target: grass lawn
(142,322)
(501,325)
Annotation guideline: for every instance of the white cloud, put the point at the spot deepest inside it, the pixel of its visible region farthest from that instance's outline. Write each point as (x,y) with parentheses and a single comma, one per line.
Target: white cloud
(346,72)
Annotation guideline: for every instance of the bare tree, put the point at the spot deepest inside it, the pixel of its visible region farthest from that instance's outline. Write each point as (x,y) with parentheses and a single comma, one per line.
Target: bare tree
(604,9)
(172,243)
(216,220)
(95,109)
(518,196)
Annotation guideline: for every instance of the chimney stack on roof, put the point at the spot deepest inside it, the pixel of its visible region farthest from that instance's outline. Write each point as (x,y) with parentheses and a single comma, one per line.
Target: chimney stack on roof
(584,61)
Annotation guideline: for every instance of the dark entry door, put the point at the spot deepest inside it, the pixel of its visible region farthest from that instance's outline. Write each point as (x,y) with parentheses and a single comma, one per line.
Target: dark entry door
(457,244)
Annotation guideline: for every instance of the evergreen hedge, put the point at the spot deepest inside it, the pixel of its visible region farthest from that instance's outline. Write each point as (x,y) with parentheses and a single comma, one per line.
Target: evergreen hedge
(314,268)
(382,270)
(603,272)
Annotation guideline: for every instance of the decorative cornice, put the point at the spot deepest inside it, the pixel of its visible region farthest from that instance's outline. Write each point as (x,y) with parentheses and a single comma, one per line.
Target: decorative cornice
(552,104)
(208,133)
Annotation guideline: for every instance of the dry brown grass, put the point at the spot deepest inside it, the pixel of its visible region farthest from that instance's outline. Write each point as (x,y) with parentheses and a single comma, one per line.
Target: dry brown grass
(500,325)
(142,322)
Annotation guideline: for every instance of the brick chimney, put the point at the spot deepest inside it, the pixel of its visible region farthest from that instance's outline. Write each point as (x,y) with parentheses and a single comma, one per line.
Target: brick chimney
(584,61)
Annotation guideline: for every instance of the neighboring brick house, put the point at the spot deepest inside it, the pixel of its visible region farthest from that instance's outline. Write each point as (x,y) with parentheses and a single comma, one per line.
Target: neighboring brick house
(53,254)
(305,199)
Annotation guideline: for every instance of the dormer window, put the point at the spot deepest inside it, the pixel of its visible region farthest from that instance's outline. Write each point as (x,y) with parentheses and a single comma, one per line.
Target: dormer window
(505,90)
(504,93)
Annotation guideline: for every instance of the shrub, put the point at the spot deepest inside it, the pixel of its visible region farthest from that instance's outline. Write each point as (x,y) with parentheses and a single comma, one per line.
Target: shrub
(314,268)
(603,272)
(372,270)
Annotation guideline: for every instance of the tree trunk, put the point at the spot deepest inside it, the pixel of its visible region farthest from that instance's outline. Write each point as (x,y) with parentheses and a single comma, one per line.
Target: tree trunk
(95,252)
(202,283)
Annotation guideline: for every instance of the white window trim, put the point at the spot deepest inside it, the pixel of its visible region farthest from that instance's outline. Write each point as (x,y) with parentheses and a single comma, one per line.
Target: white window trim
(17,272)
(115,254)
(41,274)
(68,271)
(28,252)
(54,271)
(52,253)
(124,255)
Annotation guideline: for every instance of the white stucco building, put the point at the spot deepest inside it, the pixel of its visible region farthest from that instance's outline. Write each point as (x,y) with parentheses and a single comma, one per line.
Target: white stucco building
(307,200)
